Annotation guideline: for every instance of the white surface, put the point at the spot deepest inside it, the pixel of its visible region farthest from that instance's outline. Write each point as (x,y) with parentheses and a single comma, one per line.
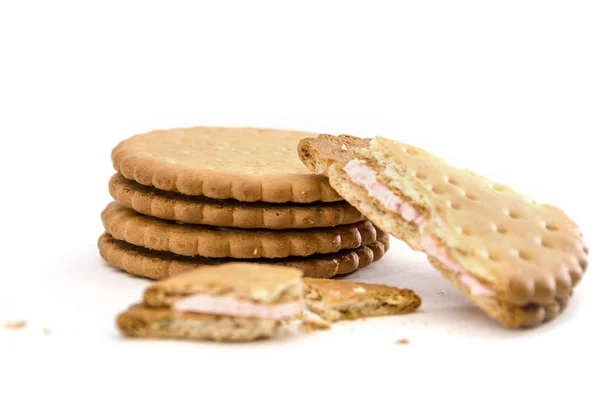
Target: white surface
(510,90)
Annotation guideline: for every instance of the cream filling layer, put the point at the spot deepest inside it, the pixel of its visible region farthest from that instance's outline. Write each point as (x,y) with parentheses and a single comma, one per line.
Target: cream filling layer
(232,306)
(365,177)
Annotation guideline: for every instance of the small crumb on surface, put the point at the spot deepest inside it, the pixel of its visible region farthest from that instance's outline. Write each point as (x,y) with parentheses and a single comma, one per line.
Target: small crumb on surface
(46,331)
(17,324)
(442,292)
(402,341)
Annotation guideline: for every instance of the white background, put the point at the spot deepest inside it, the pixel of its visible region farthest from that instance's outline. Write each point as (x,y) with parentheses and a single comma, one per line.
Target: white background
(508,88)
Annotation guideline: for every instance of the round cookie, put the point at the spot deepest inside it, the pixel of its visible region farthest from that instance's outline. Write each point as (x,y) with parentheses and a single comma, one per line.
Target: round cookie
(197,240)
(229,213)
(158,265)
(245,164)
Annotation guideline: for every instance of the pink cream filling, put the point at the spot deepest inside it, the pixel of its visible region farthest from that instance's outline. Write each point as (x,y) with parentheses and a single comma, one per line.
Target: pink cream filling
(366,177)
(231,306)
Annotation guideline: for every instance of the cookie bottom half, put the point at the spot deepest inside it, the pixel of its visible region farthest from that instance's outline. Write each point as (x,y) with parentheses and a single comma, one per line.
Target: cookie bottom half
(143,322)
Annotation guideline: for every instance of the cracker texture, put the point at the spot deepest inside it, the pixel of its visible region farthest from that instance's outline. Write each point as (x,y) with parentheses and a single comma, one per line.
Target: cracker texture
(529,252)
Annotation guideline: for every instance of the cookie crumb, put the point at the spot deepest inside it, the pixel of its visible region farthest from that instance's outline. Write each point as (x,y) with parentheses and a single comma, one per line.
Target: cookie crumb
(442,292)
(402,341)
(17,324)
(46,331)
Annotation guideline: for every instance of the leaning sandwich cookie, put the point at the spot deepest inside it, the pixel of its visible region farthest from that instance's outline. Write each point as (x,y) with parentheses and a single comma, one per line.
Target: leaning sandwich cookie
(516,259)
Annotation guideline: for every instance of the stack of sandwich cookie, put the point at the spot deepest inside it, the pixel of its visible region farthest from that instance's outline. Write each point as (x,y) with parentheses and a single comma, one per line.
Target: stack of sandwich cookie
(516,259)
(202,196)
(243,302)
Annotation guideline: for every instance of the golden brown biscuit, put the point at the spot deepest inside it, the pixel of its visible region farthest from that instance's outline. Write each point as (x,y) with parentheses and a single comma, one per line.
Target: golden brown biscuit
(192,240)
(245,164)
(510,255)
(229,213)
(143,322)
(157,265)
(336,300)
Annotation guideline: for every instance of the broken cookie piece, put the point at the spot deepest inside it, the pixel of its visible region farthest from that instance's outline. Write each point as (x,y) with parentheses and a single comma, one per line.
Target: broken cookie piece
(336,300)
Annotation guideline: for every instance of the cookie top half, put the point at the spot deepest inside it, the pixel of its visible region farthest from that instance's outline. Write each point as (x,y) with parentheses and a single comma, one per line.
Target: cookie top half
(245,164)
(255,282)
(528,251)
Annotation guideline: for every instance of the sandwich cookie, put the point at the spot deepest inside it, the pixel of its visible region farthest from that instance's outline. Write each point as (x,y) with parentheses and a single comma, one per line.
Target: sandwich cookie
(244,302)
(198,240)
(516,259)
(156,265)
(233,302)
(229,213)
(245,164)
